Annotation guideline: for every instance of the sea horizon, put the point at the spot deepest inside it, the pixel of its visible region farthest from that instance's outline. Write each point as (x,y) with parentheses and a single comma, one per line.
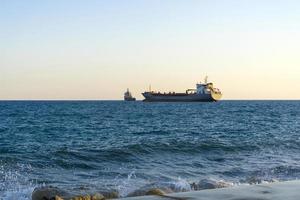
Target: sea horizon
(141,100)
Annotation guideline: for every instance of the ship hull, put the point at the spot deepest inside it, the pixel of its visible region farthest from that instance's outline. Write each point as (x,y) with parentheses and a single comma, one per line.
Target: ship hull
(150,97)
(129,99)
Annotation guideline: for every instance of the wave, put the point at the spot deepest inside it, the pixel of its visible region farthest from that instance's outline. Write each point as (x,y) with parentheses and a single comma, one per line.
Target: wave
(14,182)
(127,190)
(14,187)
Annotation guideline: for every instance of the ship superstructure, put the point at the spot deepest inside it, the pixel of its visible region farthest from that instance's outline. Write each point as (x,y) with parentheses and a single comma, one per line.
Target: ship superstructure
(203,92)
(128,96)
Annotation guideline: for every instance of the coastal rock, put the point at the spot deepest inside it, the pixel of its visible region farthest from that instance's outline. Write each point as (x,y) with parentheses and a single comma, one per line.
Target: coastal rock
(209,184)
(111,195)
(155,191)
(86,197)
(252,180)
(139,192)
(165,187)
(149,191)
(97,196)
(48,193)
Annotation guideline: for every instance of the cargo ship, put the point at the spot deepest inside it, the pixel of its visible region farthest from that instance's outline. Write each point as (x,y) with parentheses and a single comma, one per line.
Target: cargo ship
(128,96)
(204,92)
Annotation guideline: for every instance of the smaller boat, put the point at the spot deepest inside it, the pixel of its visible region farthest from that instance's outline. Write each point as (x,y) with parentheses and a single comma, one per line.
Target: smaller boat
(128,96)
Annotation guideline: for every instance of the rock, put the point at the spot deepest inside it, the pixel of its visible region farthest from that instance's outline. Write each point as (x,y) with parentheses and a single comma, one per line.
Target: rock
(155,191)
(164,187)
(98,196)
(48,193)
(135,193)
(209,184)
(273,180)
(111,195)
(86,197)
(223,184)
(253,180)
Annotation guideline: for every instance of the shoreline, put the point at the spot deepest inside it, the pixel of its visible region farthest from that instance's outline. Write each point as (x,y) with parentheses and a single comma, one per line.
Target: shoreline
(287,190)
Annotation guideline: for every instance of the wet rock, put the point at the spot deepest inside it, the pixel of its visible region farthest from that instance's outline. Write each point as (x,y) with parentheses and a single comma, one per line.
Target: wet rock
(111,195)
(223,184)
(97,196)
(139,192)
(166,187)
(146,191)
(85,197)
(155,191)
(273,180)
(209,184)
(252,180)
(48,193)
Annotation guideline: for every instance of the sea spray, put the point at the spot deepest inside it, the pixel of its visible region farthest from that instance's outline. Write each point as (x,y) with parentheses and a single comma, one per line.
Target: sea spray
(14,182)
(126,186)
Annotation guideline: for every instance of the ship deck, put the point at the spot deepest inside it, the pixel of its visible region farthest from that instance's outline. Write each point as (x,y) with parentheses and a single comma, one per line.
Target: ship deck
(171,94)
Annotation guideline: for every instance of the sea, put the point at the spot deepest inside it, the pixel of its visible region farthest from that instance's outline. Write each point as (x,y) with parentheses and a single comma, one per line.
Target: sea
(88,146)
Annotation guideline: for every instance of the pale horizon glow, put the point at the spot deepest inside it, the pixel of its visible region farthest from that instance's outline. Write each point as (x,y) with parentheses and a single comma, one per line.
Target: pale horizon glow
(96,49)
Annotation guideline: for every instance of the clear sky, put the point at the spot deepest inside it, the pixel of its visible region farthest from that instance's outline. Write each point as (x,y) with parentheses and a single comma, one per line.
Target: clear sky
(95,49)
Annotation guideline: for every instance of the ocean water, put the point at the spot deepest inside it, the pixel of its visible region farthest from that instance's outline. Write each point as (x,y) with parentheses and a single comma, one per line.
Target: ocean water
(92,146)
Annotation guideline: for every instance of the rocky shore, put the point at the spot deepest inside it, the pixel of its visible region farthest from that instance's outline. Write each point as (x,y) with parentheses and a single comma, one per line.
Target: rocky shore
(54,193)
(204,190)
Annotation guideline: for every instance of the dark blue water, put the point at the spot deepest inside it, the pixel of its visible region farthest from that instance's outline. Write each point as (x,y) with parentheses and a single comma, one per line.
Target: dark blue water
(103,145)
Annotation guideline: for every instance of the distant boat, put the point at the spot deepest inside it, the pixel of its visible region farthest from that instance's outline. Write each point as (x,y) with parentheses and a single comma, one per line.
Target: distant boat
(203,92)
(128,96)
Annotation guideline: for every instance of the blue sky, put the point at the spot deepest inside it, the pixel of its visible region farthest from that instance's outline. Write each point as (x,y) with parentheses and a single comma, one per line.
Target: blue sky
(96,49)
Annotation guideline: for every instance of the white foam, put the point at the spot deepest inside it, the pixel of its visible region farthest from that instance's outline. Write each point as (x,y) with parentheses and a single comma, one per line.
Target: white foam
(19,194)
(14,184)
(181,185)
(128,185)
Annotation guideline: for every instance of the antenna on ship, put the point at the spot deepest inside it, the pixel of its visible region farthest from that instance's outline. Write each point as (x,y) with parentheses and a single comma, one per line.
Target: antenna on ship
(205,79)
